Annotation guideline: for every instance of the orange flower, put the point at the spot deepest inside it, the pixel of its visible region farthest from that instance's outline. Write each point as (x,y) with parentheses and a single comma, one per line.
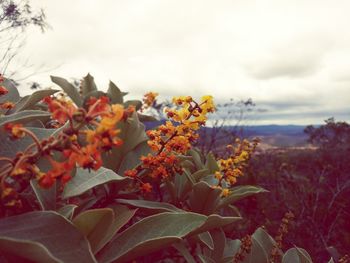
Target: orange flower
(146,187)
(149,100)
(16,130)
(46,181)
(130,173)
(61,109)
(7,105)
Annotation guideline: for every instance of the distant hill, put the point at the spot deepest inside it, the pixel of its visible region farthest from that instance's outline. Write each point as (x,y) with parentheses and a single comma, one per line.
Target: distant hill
(270,135)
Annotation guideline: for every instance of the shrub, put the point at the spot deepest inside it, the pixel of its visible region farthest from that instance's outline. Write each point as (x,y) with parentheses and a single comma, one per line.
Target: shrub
(81,181)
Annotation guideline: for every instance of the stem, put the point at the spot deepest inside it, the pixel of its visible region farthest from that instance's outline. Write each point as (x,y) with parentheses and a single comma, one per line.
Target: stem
(33,136)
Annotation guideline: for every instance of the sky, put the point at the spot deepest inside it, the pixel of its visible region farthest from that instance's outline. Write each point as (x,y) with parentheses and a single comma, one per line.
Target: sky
(292,57)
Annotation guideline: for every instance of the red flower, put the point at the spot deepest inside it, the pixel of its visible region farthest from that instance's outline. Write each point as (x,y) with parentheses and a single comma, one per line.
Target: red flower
(3,90)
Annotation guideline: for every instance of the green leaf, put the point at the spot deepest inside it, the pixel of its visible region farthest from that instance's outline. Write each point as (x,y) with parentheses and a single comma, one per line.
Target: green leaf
(206,238)
(12,95)
(132,158)
(94,224)
(68,88)
(115,93)
(85,180)
(154,207)
(25,116)
(180,246)
(231,248)
(219,241)
(132,134)
(296,255)
(122,215)
(46,197)
(212,164)
(23,250)
(198,175)
(155,232)
(33,99)
(197,159)
(51,230)
(204,198)
(240,192)
(67,211)
(136,103)
(146,118)
(88,85)
(9,148)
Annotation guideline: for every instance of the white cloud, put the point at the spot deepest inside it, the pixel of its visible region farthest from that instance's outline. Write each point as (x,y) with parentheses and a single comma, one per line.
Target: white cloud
(272,51)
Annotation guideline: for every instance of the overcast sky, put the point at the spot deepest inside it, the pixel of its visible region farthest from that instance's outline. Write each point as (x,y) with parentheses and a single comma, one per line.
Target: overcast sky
(292,57)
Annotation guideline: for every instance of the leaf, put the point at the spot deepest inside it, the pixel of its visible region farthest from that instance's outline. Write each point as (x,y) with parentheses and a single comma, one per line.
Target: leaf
(68,88)
(136,103)
(20,250)
(132,158)
(25,116)
(240,192)
(51,230)
(155,207)
(122,215)
(94,224)
(88,85)
(12,95)
(132,134)
(9,148)
(180,246)
(67,211)
(231,248)
(198,175)
(155,232)
(197,159)
(296,255)
(212,164)
(146,118)
(85,180)
(204,198)
(33,99)
(46,197)
(115,93)
(219,241)
(206,238)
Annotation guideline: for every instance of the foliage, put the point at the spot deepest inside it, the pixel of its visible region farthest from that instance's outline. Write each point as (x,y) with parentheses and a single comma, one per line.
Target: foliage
(314,184)
(81,180)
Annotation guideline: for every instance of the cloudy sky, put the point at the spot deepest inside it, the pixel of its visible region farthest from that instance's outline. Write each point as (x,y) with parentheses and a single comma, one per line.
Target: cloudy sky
(292,57)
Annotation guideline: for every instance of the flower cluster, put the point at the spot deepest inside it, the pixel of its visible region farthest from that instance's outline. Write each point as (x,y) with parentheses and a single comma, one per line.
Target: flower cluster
(170,140)
(232,167)
(76,145)
(148,100)
(7,105)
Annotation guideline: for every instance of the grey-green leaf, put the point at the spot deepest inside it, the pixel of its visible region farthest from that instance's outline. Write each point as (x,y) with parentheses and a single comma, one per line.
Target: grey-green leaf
(154,207)
(240,192)
(46,197)
(115,93)
(296,255)
(68,88)
(85,180)
(88,84)
(25,116)
(23,250)
(211,164)
(33,99)
(52,231)
(204,198)
(95,224)
(155,232)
